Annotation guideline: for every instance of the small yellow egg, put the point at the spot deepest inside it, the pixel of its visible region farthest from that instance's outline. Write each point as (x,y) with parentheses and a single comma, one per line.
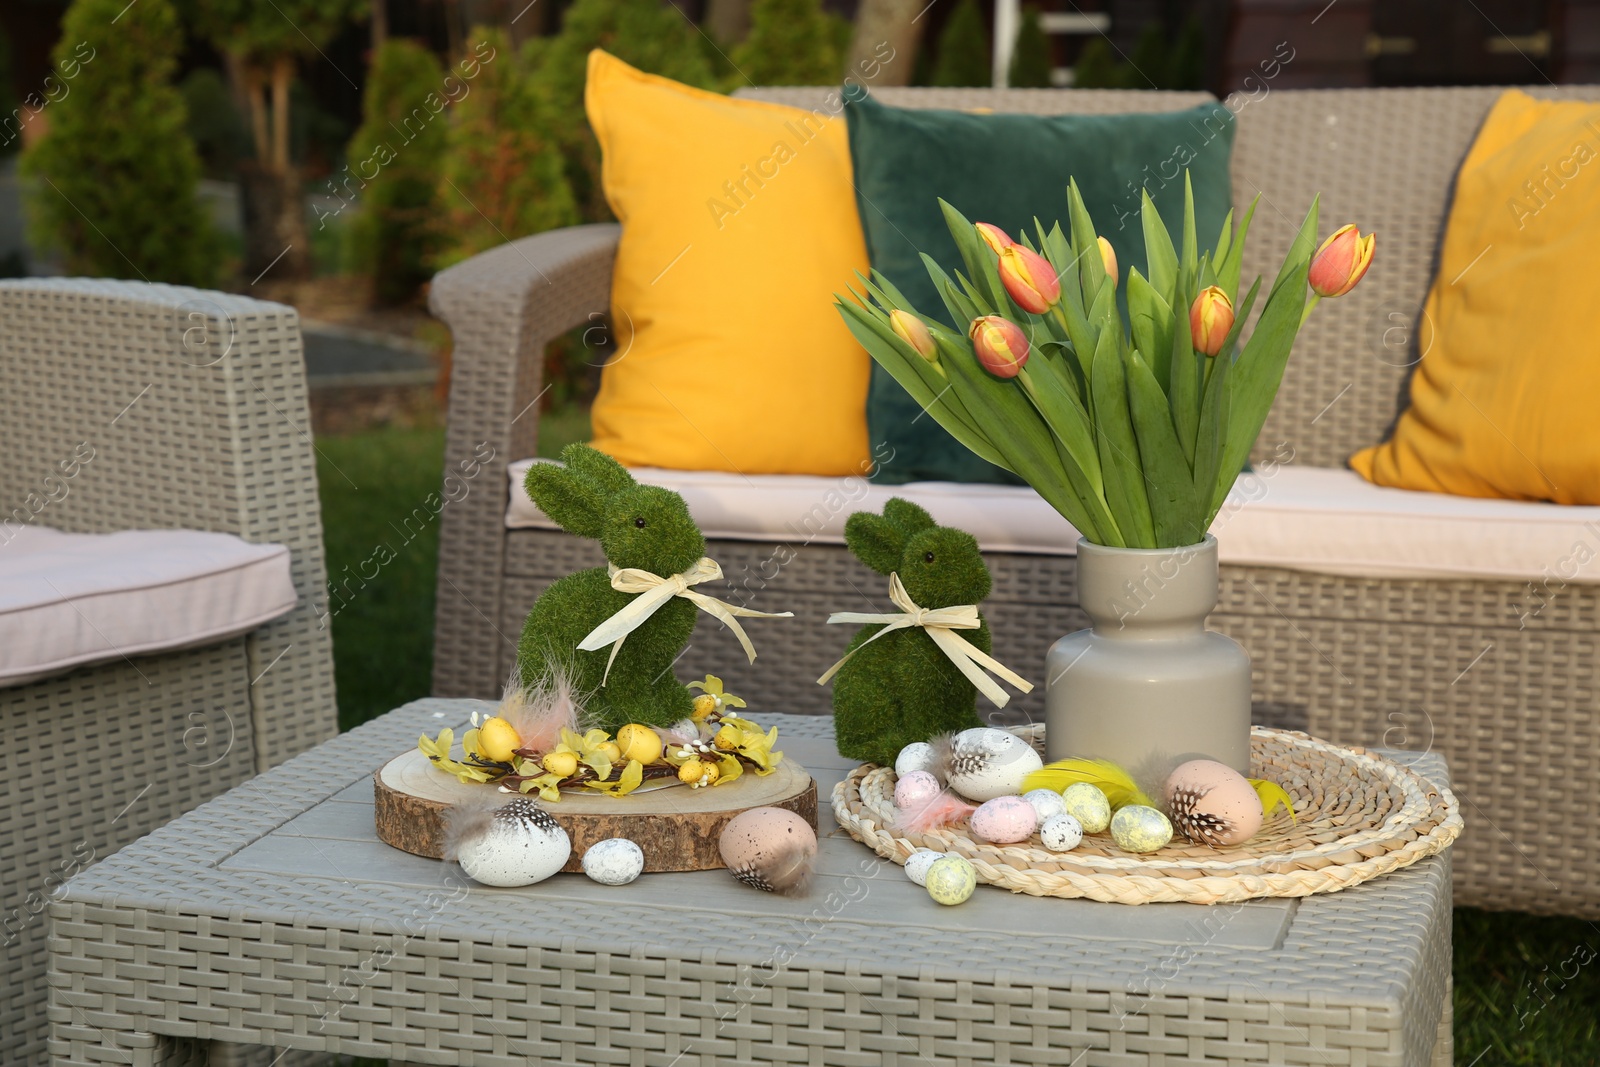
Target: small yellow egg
(712,773)
(610,751)
(564,764)
(639,742)
(497,739)
(704,705)
(728,738)
(691,773)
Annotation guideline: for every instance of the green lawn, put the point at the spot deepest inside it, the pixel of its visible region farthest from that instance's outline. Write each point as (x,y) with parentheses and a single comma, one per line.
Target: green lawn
(1527,989)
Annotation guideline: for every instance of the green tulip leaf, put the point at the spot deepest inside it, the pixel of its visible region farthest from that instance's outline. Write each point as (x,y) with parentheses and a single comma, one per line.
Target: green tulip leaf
(1168,481)
(1119,450)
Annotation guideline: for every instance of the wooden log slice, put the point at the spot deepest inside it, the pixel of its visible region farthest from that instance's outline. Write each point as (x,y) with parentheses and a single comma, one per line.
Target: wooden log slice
(677,827)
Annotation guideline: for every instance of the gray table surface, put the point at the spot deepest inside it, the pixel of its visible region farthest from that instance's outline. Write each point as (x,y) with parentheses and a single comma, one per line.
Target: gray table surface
(273,915)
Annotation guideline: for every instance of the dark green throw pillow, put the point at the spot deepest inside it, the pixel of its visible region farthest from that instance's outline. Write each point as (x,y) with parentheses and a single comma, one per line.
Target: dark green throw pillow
(1009,169)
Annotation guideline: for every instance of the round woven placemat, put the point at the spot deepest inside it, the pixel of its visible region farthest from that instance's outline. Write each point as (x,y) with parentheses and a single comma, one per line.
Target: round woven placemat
(1359,815)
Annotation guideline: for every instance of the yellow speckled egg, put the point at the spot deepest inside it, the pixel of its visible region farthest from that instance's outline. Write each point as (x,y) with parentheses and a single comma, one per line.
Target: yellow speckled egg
(950,880)
(1136,828)
(1088,805)
(497,739)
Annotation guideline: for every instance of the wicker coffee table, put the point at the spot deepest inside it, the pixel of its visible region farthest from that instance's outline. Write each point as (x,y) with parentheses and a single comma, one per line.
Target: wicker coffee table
(274,916)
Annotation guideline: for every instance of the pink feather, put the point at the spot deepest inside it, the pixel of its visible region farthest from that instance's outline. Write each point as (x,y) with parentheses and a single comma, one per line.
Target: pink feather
(943,810)
(540,713)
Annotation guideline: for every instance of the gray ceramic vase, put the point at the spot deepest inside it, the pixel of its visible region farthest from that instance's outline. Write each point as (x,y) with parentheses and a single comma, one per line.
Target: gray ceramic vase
(1148,686)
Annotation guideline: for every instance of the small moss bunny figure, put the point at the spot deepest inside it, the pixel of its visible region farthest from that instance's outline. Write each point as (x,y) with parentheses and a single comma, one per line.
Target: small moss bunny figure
(903,687)
(643,527)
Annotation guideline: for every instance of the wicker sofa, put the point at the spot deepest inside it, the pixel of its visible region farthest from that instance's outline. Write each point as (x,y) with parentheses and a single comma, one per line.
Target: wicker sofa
(1508,694)
(195,406)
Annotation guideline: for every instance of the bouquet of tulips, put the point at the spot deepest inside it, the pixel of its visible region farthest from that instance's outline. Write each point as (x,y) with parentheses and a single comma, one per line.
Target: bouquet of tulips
(1133,431)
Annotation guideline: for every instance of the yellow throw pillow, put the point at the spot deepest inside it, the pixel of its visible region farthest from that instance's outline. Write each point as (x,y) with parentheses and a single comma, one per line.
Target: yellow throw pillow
(1503,402)
(738,225)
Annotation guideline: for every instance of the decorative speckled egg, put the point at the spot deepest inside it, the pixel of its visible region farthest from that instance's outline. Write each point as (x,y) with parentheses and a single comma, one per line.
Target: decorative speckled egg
(951,880)
(986,763)
(1136,828)
(917,866)
(1087,804)
(519,844)
(916,790)
(614,861)
(917,756)
(1061,833)
(1004,820)
(1046,802)
(1213,804)
(769,848)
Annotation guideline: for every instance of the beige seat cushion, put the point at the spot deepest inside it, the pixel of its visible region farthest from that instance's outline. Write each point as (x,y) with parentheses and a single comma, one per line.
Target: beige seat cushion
(1303,518)
(68,600)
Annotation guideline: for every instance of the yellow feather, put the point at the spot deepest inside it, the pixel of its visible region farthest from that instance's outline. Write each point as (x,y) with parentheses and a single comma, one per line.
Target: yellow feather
(1272,794)
(1117,784)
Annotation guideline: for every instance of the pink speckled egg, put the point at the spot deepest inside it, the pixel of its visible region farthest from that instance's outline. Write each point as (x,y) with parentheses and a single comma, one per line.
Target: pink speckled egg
(769,848)
(1213,804)
(1004,820)
(916,790)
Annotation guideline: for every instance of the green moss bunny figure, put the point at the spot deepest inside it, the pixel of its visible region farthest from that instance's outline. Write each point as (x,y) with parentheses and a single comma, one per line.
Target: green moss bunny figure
(902,687)
(639,526)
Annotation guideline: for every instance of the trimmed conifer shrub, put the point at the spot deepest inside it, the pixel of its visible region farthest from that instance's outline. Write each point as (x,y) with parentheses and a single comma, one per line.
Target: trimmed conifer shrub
(963,57)
(116,174)
(396,234)
(502,173)
(1030,56)
(791,42)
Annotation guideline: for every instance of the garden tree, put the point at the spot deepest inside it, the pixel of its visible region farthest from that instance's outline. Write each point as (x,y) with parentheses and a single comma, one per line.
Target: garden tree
(395,235)
(884,46)
(1186,66)
(1149,60)
(650,35)
(262,43)
(791,42)
(963,57)
(1096,68)
(727,21)
(503,176)
(115,175)
(1030,56)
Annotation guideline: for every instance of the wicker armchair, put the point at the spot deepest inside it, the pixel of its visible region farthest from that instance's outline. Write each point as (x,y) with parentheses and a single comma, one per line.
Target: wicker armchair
(1508,695)
(193,405)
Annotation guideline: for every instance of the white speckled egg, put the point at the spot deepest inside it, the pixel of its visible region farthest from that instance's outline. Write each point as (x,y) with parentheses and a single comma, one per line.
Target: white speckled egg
(1087,804)
(916,790)
(614,861)
(1061,833)
(917,866)
(986,763)
(1136,828)
(951,880)
(769,848)
(1004,820)
(1046,802)
(917,756)
(520,845)
(1213,804)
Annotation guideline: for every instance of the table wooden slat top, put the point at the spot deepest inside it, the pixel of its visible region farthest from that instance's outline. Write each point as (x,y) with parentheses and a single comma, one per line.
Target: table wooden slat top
(273,915)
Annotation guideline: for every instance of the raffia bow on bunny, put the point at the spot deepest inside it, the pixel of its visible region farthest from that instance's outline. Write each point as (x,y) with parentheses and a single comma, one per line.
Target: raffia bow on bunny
(640,604)
(909,676)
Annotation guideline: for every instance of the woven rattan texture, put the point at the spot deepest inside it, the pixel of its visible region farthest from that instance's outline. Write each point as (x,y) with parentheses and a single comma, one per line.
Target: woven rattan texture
(160,948)
(1357,816)
(182,408)
(1357,661)
(503,307)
